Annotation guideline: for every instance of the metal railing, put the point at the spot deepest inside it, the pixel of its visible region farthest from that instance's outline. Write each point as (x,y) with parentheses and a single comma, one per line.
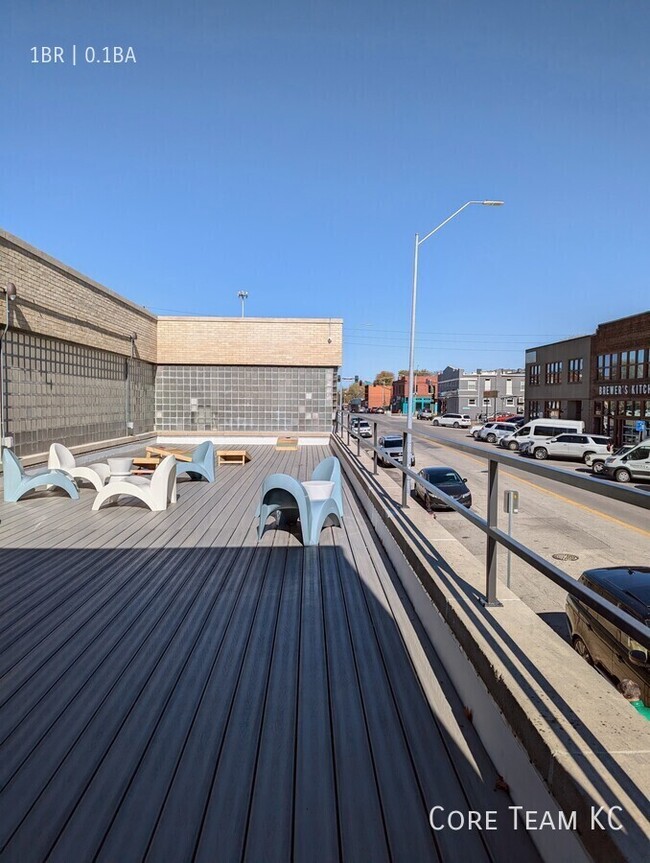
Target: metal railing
(496,537)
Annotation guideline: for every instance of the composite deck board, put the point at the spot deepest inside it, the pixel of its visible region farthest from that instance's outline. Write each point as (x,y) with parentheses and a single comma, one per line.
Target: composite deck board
(173,690)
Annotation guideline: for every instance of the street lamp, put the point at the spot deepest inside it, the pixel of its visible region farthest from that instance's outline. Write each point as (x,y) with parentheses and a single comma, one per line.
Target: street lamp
(418,243)
(243,296)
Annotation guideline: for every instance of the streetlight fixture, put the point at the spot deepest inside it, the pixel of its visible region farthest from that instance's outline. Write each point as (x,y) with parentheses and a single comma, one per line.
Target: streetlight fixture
(418,243)
(243,296)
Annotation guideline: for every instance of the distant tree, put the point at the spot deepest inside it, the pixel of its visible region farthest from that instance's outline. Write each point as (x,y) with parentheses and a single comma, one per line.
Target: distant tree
(384,378)
(354,391)
(403,373)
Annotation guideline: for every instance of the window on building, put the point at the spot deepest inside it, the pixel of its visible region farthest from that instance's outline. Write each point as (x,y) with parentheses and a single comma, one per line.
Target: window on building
(607,367)
(508,386)
(633,364)
(535,410)
(575,370)
(554,372)
(553,409)
(510,402)
(533,374)
(471,403)
(471,383)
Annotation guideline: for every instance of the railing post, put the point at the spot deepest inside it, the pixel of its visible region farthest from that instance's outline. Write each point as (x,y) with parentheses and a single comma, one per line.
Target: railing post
(347,428)
(491,600)
(374,443)
(358,443)
(405,479)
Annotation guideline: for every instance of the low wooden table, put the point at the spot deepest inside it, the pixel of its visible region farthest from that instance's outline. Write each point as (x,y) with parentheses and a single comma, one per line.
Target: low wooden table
(149,462)
(232,456)
(180,455)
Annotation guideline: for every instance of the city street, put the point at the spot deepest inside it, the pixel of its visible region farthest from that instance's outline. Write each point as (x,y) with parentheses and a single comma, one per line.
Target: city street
(553,518)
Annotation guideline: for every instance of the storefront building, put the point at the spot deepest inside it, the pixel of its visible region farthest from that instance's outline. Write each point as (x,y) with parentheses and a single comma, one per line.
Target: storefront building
(621,380)
(559,380)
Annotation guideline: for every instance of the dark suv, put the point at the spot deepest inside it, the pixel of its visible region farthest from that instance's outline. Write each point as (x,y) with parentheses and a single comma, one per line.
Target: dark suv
(600,642)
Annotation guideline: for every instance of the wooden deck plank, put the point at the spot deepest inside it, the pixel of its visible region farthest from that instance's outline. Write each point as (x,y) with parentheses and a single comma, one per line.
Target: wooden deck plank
(399,790)
(316,831)
(269,834)
(223,831)
(181,816)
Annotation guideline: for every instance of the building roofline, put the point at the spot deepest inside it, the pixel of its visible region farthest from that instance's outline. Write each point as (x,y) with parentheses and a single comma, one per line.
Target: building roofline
(559,342)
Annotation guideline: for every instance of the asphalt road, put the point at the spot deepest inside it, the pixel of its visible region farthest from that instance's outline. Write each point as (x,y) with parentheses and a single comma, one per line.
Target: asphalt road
(553,518)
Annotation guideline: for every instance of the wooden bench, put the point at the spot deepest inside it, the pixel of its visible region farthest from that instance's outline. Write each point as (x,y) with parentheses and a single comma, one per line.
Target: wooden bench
(232,456)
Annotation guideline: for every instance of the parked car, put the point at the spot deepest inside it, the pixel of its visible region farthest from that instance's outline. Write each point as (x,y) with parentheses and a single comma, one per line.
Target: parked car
(493,432)
(601,643)
(361,427)
(573,446)
(453,420)
(447,480)
(393,446)
(541,429)
(634,464)
(596,461)
(425,414)
(379,411)
(478,427)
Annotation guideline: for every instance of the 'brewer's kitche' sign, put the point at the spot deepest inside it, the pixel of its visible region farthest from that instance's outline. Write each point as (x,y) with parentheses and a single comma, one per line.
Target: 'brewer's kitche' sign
(624,389)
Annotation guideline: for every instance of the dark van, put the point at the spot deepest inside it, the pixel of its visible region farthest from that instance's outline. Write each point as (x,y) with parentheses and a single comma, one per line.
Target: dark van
(602,643)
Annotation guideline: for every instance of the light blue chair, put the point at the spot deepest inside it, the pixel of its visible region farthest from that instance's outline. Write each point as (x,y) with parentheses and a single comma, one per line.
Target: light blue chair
(310,502)
(17,482)
(202,464)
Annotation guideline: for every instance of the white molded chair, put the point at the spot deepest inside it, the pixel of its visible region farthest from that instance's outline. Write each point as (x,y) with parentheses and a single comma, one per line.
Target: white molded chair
(60,458)
(156,493)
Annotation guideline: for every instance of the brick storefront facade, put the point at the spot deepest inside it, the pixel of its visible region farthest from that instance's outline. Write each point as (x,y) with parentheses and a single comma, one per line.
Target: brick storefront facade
(621,378)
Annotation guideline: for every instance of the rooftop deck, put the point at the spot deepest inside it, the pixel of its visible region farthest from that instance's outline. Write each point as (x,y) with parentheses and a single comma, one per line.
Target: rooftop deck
(171,690)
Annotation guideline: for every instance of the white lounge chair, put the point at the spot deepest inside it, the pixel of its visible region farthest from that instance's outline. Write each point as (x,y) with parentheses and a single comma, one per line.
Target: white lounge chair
(60,458)
(156,492)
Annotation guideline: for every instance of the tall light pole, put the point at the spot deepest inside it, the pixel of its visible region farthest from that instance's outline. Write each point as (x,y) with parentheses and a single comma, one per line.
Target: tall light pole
(418,243)
(243,296)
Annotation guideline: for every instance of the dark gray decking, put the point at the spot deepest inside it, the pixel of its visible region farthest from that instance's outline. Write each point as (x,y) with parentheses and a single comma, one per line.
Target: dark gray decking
(172,691)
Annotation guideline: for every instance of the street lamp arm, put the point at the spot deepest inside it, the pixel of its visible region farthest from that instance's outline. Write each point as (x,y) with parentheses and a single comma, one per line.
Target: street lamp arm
(448,219)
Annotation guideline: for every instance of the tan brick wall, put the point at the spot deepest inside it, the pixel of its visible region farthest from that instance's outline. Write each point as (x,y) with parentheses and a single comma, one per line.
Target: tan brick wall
(55,300)
(250,341)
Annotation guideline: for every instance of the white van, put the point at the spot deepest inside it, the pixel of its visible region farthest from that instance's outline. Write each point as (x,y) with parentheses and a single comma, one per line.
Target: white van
(539,430)
(633,464)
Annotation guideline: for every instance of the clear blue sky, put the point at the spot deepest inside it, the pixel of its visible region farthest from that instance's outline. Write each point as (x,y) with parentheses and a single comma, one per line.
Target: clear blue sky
(292,149)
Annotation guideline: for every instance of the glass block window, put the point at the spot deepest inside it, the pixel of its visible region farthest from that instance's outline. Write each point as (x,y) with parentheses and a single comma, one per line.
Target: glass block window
(244,398)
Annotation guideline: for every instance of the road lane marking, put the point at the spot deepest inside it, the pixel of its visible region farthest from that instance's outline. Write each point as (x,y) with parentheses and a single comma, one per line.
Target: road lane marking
(562,497)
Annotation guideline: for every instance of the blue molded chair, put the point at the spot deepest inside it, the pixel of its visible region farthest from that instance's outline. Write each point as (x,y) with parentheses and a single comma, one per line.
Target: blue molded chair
(303,501)
(202,464)
(17,482)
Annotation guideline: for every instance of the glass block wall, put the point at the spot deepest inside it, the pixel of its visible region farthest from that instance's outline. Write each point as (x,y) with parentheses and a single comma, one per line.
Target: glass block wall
(59,391)
(244,398)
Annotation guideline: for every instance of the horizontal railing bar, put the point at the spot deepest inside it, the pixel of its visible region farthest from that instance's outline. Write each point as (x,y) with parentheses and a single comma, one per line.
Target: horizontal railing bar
(630,625)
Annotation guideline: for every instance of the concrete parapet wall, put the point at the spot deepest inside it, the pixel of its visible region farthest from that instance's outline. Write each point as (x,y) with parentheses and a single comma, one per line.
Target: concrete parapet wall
(560,735)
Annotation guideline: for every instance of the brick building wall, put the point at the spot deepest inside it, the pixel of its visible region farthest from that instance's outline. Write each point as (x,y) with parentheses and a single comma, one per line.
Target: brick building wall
(250,341)
(378,395)
(75,374)
(56,301)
